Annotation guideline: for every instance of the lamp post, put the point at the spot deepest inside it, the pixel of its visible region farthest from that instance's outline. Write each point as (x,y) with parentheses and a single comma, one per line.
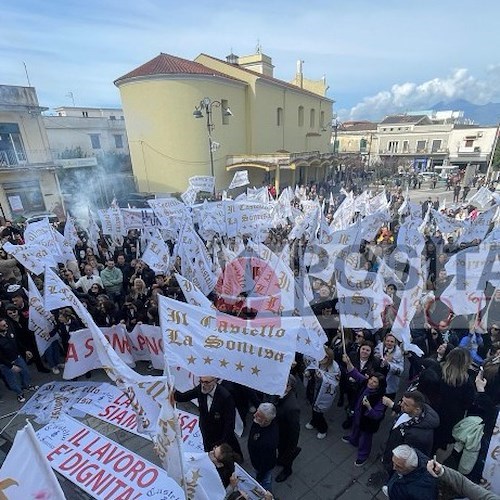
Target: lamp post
(205,108)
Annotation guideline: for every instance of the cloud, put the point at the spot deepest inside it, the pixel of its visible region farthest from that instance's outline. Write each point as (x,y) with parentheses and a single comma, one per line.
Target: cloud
(460,84)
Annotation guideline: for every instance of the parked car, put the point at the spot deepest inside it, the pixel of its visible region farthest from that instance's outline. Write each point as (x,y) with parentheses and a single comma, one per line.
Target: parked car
(38,216)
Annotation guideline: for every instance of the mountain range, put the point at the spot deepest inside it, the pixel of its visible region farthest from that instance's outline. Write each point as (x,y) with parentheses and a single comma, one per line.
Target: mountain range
(480,114)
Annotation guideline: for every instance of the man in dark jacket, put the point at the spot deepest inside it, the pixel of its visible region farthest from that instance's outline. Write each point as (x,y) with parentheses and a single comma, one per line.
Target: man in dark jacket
(12,364)
(25,338)
(411,481)
(263,442)
(414,425)
(288,418)
(217,413)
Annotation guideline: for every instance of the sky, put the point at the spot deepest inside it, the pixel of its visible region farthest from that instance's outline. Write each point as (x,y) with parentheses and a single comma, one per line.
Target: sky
(379,57)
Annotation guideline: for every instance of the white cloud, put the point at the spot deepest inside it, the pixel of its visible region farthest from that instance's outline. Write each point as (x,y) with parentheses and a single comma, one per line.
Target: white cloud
(460,84)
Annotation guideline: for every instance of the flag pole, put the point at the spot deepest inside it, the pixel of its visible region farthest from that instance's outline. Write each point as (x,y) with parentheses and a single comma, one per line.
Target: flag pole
(178,436)
(479,319)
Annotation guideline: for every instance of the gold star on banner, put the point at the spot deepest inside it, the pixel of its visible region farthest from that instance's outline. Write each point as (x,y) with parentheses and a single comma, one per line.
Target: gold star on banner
(196,475)
(208,360)
(223,363)
(191,360)
(239,366)
(255,371)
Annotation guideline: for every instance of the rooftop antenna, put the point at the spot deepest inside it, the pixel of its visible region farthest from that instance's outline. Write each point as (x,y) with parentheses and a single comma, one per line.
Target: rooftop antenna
(71,96)
(258,49)
(27,75)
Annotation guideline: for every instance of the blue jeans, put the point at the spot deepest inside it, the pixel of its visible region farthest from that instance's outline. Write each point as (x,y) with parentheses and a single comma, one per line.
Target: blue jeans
(12,378)
(265,479)
(52,354)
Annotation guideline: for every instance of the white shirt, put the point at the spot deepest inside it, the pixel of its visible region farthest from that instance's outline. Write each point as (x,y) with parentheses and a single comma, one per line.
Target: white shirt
(404,417)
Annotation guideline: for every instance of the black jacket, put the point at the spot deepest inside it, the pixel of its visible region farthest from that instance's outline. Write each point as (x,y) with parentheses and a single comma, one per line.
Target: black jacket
(419,436)
(417,485)
(288,419)
(262,446)
(216,425)
(9,351)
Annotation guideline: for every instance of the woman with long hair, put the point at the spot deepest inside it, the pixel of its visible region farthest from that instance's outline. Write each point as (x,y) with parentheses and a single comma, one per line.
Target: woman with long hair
(365,363)
(369,411)
(456,395)
(391,360)
(139,291)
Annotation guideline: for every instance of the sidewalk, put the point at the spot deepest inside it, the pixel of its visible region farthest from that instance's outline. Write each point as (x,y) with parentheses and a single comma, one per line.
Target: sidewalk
(324,470)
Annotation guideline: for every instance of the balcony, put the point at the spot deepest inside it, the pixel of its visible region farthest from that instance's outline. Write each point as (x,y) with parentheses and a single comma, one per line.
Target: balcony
(90,161)
(12,158)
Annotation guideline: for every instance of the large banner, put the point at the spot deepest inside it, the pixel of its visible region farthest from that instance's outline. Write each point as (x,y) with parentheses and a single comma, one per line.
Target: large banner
(54,399)
(256,353)
(116,408)
(82,355)
(101,467)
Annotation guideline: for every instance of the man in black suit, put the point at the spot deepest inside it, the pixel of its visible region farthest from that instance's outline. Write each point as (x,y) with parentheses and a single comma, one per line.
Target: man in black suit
(288,418)
(217,413)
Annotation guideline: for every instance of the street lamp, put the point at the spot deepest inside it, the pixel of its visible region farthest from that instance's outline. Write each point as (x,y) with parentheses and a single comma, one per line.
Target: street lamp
(205,108)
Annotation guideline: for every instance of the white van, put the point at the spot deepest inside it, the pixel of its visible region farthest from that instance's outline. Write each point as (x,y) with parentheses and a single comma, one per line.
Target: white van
(446,171)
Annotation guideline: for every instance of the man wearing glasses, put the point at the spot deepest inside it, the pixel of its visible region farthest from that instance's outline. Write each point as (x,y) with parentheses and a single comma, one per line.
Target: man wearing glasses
(217,412)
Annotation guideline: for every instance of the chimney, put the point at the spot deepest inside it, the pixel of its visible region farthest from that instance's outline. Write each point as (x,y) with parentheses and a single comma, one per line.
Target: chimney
(232,58)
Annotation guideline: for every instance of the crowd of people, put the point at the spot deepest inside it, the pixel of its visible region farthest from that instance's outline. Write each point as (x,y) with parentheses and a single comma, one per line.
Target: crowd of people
(436,400)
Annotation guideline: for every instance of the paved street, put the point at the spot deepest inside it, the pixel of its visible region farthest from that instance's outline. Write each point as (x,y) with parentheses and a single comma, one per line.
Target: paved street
(324,469)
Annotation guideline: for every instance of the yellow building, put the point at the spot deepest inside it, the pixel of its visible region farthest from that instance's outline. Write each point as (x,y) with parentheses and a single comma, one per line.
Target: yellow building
(28,181)
(276,130)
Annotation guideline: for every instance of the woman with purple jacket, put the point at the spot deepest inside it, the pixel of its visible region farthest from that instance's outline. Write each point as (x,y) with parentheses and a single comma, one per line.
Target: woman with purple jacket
(369,411)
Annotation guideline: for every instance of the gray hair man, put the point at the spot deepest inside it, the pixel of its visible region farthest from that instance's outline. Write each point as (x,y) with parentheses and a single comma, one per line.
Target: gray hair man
(263,443)
(411,480)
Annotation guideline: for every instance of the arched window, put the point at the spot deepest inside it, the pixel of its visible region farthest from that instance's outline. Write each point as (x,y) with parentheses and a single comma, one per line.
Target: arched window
(301,116)
(312,118)
(362,145)
(322,119)
(279,117)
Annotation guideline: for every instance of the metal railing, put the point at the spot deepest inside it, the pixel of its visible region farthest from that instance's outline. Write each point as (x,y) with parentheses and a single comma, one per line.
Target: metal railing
(11,158)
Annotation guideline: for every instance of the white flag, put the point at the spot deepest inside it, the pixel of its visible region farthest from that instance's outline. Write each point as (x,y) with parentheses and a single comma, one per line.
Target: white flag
(189,196)
(255,353)
(41,321)
(56,295)
(26,472)
(112,223)
(192,293)
(157,254)
(70,233)
(240,179)
(481,198)
(196,264)
(33,257)
(42,233)
(205,183)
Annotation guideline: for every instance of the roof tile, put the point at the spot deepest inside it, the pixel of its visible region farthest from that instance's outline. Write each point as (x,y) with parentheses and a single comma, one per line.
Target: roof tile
(165,64)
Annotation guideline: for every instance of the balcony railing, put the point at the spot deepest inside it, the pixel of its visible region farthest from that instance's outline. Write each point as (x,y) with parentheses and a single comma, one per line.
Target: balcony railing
(10,158)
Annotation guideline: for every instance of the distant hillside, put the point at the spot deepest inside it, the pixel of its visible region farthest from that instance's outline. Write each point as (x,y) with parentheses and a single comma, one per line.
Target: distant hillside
(485,114)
